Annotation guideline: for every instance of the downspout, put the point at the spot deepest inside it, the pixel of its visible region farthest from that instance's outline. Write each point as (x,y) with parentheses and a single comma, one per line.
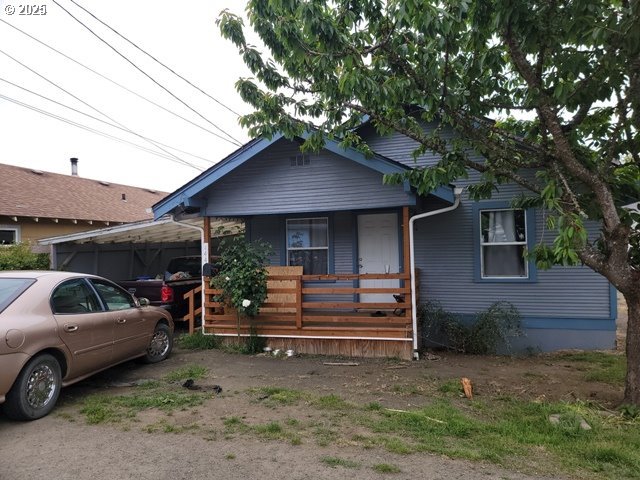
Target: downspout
(414,310)
(204,254)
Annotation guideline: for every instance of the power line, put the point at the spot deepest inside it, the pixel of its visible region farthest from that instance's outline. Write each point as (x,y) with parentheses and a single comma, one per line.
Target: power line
(106,123)
(90,106)
(109,79)
(155,59)
(233,140)
(92,130)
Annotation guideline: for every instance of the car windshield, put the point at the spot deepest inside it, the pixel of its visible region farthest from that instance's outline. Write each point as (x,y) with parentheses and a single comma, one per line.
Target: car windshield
(12,288)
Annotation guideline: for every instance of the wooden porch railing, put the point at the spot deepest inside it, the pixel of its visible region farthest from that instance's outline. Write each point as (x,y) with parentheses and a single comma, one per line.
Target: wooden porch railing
(292,310)
(190,317)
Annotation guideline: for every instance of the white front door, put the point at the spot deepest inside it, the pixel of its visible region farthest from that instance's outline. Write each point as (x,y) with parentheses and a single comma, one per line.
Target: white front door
(378,252)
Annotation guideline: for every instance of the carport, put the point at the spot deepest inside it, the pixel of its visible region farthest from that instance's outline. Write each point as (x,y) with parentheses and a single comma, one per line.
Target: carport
(140,249)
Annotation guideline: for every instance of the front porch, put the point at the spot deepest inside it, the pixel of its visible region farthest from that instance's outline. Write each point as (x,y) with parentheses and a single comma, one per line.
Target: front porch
(339,324)
(365,314)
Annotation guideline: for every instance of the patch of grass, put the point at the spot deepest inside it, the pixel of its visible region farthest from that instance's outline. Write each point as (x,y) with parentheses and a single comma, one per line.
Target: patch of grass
(115,408)
(511,431)
(334,462)
(600,366)
(386,468)
(395,445)
(412,389)
(331,402)
(272,430)
(189,371)
(450,386)
(230,456)
(198,341)
(274,396)
(325,436)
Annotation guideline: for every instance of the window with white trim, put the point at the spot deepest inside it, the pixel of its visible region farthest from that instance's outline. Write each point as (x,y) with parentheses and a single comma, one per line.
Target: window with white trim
(308,244)
(503,241)
(9,235)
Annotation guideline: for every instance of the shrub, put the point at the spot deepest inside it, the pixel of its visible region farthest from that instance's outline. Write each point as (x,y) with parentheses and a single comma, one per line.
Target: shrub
(489,330)
(20,257)
(243,275)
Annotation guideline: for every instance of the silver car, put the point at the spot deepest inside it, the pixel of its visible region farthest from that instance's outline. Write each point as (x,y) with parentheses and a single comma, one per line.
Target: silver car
(57,328)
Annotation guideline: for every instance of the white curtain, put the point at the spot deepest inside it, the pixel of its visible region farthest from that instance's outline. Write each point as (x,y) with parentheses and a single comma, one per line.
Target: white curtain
(503,260)
(502,226)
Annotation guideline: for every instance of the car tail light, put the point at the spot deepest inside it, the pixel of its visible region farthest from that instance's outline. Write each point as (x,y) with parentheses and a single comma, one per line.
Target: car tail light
(166,294)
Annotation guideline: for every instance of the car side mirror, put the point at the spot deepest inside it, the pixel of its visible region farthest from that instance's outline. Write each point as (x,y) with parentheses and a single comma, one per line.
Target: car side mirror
(143,302)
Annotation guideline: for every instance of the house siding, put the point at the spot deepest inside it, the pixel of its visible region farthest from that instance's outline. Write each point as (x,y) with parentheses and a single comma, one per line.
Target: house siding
(343,246)
(268,184)
(565,298)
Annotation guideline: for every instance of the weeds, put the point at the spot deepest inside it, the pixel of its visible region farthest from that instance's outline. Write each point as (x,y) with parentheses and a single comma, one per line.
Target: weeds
(600,366)
(334,462)
(198,341)
(189,371)
(115,408)
(386,468)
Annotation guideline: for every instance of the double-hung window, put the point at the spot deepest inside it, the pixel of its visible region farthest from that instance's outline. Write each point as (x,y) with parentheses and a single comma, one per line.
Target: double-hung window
(9,235)
(503,240)
(308,244)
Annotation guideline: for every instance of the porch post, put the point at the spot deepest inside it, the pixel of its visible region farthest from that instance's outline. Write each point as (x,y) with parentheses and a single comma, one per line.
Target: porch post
(206,256)
(206,239)
(406,260)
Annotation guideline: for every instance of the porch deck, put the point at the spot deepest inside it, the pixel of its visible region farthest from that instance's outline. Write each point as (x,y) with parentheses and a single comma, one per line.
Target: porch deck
(291,312)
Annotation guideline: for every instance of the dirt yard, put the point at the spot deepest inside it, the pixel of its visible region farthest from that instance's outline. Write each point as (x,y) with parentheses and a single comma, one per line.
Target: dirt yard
(64,446)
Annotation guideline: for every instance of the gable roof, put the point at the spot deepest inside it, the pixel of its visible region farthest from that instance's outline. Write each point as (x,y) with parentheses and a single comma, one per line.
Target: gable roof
(186,196)
(28,192)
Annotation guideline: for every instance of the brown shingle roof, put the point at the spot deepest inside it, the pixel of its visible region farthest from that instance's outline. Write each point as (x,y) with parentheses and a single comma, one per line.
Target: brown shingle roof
(33,193)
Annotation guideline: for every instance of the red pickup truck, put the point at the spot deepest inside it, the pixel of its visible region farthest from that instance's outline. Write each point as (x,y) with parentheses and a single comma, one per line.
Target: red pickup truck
(182,274)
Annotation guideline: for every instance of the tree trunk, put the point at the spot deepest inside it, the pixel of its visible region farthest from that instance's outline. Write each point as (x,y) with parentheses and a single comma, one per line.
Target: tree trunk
(632,385)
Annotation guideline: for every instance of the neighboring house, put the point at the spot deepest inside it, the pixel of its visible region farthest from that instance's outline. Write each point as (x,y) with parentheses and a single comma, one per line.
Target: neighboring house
(35,204)
(330,215)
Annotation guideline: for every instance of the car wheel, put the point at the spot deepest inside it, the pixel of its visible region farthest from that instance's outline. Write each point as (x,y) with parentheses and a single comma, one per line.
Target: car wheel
(36,390)
(161,344)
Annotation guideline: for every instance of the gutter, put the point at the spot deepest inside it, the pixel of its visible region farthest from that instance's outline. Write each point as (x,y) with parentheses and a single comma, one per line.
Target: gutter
(457,192)
(204,255)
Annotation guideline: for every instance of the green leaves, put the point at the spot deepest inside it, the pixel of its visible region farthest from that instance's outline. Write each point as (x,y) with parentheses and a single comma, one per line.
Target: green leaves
(243,276)
(558,77)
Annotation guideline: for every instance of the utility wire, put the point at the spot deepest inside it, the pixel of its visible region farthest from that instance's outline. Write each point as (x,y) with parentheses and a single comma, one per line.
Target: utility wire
(155,59)
(93,130)
(90,106)
(233,140)
(109,79)
(104,121)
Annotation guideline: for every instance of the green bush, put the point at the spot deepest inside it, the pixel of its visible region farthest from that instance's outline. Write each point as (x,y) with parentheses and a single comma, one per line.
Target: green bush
(243,274)
(489,330)
(20,257)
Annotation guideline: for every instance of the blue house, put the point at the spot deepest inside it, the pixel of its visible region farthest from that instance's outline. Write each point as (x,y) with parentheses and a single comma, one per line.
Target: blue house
(353,257)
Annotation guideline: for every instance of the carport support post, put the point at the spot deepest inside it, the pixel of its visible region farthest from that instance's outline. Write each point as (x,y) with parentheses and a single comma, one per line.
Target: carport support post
(206,253)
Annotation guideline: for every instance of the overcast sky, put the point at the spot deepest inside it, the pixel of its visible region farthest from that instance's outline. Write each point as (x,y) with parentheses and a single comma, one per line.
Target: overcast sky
(182,34)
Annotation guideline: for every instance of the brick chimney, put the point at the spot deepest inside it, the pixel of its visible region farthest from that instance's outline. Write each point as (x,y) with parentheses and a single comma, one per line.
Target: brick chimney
(74,166)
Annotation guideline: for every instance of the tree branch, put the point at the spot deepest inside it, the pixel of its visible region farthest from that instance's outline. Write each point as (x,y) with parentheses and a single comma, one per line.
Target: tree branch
(564,152)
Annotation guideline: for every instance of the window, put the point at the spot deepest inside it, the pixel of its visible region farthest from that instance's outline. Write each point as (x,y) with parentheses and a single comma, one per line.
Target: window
(300,160)
(308,245)
(114,297)
(503,240)
(9,235)
(74,296)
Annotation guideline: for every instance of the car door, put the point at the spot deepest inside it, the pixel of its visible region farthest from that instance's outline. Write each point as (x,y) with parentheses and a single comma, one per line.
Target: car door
(83,325)
(132,330)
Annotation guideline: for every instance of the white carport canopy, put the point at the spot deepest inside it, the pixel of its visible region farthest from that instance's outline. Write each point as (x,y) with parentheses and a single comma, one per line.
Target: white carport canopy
(148,231)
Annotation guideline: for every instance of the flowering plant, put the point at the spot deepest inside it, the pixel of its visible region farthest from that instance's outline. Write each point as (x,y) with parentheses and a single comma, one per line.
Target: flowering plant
(243,275)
